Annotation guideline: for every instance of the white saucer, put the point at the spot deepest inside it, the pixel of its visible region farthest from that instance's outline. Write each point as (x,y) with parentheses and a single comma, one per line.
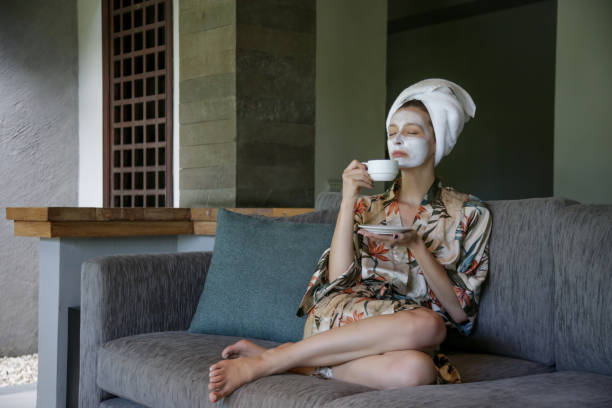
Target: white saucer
(384,229)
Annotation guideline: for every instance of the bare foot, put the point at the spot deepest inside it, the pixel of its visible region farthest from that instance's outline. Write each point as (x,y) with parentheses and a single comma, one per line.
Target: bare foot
(242,348)
(227,375)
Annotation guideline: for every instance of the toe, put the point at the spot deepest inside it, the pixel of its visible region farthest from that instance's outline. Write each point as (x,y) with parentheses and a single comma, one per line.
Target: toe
(218,386)
(216,375)
(229,350)
(214,396)
(215,378)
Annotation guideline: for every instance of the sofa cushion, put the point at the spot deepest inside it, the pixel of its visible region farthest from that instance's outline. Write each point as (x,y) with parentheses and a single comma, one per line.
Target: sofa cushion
(328,216)
(259,271)
(582,242)
(170,369)
(120,403)
(516,309)
(475,367)
(328,200)
(561,389)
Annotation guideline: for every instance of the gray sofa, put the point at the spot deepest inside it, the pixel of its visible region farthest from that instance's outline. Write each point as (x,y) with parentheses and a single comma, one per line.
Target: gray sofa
(542,338)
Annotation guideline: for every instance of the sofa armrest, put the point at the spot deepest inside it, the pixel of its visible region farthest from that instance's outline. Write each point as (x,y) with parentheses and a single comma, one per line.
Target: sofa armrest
(125,295)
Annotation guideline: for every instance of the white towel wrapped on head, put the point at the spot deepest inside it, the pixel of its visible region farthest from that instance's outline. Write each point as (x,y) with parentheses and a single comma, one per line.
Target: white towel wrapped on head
(449,107)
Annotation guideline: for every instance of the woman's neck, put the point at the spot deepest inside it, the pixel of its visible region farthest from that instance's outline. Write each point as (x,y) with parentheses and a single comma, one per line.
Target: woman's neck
(415,184)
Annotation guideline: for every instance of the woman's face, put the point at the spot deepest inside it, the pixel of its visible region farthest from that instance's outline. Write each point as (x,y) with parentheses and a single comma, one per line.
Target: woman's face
(410,137)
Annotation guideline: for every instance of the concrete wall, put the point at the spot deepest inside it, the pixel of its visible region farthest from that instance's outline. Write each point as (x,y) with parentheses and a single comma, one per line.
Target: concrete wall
(207,119)
(350,87)
(275,91)
(506,151)
(403,8)
(38,146)
(583,124)
(247,103)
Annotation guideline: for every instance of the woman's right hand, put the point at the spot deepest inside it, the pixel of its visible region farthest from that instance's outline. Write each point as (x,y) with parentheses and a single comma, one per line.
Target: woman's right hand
(354,177)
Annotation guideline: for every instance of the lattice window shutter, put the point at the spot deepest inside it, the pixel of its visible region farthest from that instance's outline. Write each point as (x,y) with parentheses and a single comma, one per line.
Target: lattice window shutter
(137,79)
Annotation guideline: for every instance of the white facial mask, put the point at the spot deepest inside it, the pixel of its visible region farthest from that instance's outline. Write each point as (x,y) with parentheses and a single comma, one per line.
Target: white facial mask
(416,148)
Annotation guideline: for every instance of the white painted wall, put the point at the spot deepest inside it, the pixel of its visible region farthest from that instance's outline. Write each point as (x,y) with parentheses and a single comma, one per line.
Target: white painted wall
(89,18)
(175,103)
(89,30)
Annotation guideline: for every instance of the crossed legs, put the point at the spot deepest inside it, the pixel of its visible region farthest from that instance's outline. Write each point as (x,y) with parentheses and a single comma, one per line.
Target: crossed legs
(393,369)
(383,351)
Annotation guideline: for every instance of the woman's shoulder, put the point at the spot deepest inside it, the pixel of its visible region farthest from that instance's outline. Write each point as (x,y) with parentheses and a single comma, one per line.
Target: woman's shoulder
(467,202)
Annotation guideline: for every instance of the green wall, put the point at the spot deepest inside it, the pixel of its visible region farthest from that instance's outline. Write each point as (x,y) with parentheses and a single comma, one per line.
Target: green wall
(583,121)
(350,86)
(505,60)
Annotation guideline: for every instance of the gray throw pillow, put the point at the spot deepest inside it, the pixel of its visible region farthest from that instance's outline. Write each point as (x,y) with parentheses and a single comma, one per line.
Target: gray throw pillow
(259,272)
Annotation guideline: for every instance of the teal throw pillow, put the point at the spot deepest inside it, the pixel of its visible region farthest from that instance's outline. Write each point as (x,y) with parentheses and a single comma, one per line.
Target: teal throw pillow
(259,273)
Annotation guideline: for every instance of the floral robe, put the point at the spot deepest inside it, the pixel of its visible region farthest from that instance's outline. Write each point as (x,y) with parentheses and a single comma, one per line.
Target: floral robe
(455,227)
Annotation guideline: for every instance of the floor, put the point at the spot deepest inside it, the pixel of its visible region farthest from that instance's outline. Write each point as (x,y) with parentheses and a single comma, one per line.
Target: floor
(18,396)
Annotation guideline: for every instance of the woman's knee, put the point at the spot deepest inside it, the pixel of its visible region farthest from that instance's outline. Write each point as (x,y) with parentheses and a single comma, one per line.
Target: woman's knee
(410,368)
(438,328)
(422,327)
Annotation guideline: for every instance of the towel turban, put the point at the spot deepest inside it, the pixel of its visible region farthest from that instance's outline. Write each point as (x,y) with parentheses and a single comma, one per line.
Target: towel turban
(449,107)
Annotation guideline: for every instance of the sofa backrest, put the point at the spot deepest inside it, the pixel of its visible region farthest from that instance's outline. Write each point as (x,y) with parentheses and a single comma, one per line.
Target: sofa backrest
(516,310)
(328,200)
(582,243)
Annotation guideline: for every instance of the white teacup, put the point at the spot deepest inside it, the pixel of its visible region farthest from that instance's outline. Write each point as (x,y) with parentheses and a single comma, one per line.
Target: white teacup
(382,170)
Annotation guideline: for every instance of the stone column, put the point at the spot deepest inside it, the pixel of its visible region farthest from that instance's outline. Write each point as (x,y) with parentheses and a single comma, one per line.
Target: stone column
(207,103)
(247,103)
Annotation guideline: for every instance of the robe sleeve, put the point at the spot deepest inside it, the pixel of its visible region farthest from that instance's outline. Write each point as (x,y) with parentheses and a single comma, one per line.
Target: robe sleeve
(319,284)
(472,267)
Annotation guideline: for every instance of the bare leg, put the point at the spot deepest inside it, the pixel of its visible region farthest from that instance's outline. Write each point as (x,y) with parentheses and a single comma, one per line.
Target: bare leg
(404,330)
(246,348)
(393,369)
(243,348)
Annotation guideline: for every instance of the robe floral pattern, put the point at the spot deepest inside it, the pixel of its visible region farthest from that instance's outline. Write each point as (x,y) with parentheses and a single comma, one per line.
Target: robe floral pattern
(455,227)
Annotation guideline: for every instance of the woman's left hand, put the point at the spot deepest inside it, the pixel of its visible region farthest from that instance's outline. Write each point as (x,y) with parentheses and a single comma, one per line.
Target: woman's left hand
(409,239)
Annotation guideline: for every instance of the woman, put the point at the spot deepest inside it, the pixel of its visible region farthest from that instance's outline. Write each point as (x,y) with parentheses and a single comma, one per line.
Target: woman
(389,298)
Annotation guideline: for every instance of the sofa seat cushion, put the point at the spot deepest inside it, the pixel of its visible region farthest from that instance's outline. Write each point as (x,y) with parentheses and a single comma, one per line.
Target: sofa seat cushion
(475,367)
(170,369)
(119,403)
(559,389)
